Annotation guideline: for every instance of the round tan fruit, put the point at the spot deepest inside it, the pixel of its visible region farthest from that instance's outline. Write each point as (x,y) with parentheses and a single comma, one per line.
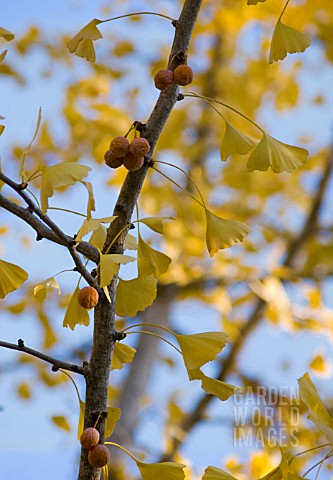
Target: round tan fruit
(183,75)
(99,456)
(111,160)
(139,147)
(89,438)
(119,146)
(88,297)
(133,163)
(163,79)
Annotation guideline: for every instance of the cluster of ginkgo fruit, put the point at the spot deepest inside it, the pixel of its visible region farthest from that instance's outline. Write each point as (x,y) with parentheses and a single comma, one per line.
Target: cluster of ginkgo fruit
(98,454)
(132,155)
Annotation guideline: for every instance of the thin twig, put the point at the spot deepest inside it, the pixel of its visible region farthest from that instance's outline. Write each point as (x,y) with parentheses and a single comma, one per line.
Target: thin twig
(56,364)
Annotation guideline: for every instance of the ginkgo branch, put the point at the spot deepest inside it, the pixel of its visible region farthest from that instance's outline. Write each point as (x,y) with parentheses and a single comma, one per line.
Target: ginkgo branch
(56,363)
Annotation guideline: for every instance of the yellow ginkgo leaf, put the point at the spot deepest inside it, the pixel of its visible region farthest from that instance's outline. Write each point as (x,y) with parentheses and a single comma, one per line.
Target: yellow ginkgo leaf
(122,354)
(280,156)
(109,266)
(91,199)
(222,233)
(135,295)
(11,277)
(201,348)
(82,43)
(90,225)
(61,422)
(26,151)
(3,55)
(287,40)
(234,142)
(40,289)
(213,473)
(161,471)
(2,127)
(219,389)
(155,223)
(151,261)
(111,420)
(131,242)
(98,237)
(317,411)
(60,175)
(81,419)
(6,34)
(75,314)
(274,474)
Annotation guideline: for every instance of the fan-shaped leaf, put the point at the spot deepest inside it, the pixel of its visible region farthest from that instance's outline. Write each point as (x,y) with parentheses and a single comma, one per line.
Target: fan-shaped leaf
(287,40)
(75,314)
(82,43)
(6,34)
(135,295)
(11,277)
(161,471)
(280,156)
(98,237)
(91,199)
(131,242)
(155,223)
(109,266)
(234,142)
(111,420)
(213,473)
(222,233)
(201,348)
(61,422)
(122,354)
(60,175)
(317,411)
(219,389)
(90,225)
(151,261)
(40,289)
(3,55)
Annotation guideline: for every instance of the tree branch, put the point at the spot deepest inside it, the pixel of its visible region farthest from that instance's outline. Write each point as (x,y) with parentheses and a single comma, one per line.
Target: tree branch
(56,364)
(228,362)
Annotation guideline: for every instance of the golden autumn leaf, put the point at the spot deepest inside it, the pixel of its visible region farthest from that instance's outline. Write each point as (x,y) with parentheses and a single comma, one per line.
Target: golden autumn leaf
(98,237)
(75,314)
(287,40)
(24,391)
(61,422)
(317,411)
(155,223)
(90,225)
(2,127)
(151,261)
(81,419)
(200,348)
(82,43)
(135,295)
(219,389)
(131,242)
(6,35)
(11,277)
(234,141)
(109,266)
(222,233)
(26,151)
(122,354)
(280,156)
(3,55)
(161,471)
(111,420)
(40,289)
(213,473)
(91,199)
(60,175)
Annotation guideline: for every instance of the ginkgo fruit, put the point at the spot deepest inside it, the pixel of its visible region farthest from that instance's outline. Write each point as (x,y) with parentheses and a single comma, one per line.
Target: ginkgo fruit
(99,456)
(119,146)
(183,75)
(88,297)
(133,163)
(89,438)
(163,79)
(139,147)
(111,160)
